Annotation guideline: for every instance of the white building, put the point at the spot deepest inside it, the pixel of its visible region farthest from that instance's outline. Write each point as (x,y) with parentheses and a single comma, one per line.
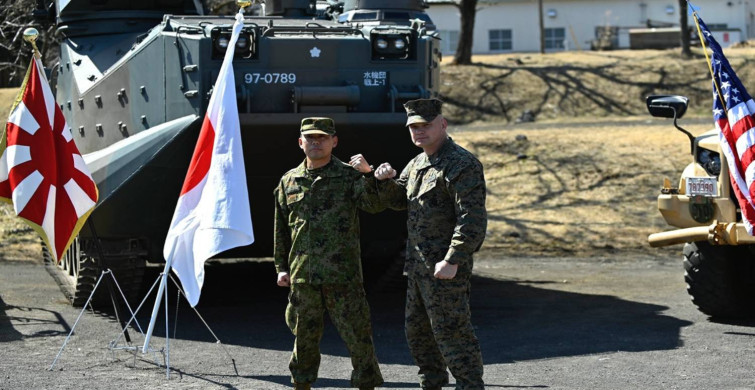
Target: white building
(503,26)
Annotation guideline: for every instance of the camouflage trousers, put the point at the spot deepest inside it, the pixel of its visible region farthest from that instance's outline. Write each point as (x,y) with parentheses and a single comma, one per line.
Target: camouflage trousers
(348,309)
(440,333)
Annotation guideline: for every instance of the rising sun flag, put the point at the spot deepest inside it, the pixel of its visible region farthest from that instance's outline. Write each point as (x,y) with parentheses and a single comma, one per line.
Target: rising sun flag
(42,173)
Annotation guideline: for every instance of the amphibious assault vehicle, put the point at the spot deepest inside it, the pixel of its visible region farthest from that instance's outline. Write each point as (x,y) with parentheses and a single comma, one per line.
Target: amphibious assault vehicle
(718,251)
(135,77)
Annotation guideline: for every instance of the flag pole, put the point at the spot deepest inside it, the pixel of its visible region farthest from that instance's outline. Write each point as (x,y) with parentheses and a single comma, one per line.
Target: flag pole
(31,35)
(707,58)
(167,334)
(156,308)
(169,261)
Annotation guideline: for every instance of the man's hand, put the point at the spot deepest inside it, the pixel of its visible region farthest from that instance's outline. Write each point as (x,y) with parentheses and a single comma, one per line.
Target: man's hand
(283,279)
(445,270)
(359,163)
(385,171)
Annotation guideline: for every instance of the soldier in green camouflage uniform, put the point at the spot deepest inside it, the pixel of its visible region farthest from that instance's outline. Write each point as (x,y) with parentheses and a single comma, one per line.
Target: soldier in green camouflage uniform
(443,190)
(317,254)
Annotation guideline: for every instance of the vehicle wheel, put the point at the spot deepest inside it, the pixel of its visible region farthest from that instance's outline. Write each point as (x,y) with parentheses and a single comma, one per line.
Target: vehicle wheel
(720,279)
(76,282)
(77,273)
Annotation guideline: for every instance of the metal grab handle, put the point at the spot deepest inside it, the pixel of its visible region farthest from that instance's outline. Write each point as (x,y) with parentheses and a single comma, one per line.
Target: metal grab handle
(325,96)
(396,95)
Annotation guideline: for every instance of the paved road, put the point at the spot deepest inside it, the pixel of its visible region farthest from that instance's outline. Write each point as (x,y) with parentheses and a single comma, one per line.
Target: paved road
(618,322)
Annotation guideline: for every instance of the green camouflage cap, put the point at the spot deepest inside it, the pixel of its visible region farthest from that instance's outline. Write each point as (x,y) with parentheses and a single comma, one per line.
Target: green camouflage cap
(422,110)
(318,126)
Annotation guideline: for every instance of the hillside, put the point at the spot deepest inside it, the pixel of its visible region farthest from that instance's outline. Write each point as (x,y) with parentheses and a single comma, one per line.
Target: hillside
(584,84)
(594,158)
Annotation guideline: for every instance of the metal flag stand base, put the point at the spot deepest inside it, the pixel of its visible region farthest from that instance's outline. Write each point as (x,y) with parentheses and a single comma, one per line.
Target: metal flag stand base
(87,304)
(165,352)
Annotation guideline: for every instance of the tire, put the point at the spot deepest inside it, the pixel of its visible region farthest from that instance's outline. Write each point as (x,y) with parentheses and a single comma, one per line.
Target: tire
(77,273)
(721,279)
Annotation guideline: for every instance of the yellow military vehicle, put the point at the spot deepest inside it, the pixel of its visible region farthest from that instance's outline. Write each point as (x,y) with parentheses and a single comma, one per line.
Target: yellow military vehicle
(719,256)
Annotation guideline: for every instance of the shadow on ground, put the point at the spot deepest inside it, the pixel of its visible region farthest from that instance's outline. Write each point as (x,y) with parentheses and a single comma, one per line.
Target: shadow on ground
(12,317)
(8,332)
(515,321)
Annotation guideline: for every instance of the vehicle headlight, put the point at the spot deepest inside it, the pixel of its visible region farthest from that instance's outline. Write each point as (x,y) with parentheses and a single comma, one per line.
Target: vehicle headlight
(242,43)
(245,45)
(391,45)
(710,161)
(222,42)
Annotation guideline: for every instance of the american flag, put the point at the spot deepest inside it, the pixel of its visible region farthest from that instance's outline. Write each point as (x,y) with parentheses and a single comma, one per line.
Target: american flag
(733,110)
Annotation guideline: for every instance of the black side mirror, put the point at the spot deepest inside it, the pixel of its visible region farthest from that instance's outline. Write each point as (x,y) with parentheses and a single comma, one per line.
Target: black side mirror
(671,106)
(667,106)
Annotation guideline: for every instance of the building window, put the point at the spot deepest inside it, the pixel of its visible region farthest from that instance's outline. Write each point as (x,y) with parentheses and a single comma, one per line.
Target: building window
(499,40)
(449,40)
(606,38)
(717,26)
(554,38)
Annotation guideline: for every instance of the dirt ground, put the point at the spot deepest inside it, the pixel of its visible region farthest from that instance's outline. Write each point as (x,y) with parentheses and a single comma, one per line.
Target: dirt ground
(544,323)
(567,293)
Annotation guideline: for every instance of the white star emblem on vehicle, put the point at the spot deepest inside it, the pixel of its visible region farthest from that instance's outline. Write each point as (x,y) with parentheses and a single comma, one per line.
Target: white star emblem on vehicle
(315,52)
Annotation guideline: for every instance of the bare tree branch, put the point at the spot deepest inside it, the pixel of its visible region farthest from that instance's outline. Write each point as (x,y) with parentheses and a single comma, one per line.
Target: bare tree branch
(15,54)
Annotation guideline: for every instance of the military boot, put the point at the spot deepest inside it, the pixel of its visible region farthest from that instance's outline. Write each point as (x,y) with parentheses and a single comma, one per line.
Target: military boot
(302,386)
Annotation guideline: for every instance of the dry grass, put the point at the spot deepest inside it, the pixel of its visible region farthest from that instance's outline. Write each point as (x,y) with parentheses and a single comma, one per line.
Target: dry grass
(579,84)
(17,240)
(595,160)
(581,190)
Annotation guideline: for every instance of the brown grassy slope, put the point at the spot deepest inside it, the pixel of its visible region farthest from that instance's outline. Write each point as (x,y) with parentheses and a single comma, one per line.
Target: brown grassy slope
(578,84)
(595,159)
(17,240)
(581,190)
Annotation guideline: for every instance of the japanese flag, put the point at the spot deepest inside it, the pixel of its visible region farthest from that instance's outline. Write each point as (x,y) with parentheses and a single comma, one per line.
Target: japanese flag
(212,214)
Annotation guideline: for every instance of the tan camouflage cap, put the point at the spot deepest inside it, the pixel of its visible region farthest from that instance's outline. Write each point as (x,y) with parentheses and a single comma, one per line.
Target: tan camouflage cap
(318,126)
(422,110)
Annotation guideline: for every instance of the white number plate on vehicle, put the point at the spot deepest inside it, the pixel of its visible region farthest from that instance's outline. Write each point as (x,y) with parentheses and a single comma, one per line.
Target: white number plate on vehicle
(705,186)
(270,78)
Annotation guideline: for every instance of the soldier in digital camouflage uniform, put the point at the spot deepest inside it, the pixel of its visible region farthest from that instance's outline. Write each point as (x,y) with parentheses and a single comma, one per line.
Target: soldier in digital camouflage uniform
(443,190)
(317,254)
